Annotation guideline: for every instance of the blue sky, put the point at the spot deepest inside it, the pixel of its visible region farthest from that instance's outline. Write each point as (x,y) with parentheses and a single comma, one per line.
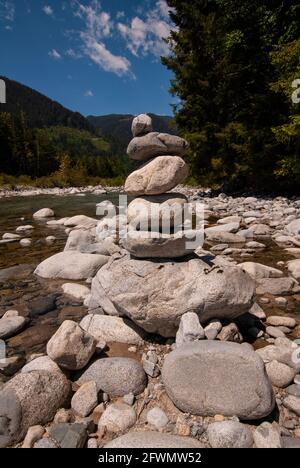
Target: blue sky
(95,57)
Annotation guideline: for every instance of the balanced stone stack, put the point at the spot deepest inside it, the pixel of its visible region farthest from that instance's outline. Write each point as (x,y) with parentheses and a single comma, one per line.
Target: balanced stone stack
(159,278)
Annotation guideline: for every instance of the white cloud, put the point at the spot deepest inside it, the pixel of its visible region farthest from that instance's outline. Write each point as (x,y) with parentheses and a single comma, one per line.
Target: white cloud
(54,54)
(98,27)
(48,10)
(89,93)
(73,54)
(7,10)
(145,35)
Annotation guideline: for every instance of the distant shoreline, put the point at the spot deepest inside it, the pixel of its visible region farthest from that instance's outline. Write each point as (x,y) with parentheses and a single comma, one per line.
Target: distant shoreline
(34,191)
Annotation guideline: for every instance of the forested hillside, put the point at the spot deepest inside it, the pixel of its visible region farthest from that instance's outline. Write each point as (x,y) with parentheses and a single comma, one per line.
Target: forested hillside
(234,65)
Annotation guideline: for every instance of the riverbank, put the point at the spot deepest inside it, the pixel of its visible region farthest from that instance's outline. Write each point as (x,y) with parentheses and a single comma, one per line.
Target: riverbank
(21,191)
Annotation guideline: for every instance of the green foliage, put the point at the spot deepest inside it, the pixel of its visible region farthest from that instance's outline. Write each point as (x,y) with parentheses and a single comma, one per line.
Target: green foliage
(234,63)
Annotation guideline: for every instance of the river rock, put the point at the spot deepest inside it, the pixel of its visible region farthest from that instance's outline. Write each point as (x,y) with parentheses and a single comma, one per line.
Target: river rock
(112,329)
(156,144)
(43,363)
(230,333)
(85,399)
(71,266)
(293,404)
(157,211)
(115,376)
(190,329)
(44,213)
(78,291)
(294,268)
(267,436)
(69,436)
(71,347)
(224,237)
(213,329)
(11,326)
(231,228)
(143,244)
(153,440)
(157,176)
(118,417)
(294,227)
(124,285)
(280,374)
(229,434)
(157,418)
(81,221)
(9,236)
(79,238)
(277,286)
(141,125)
(245,391)
(28,400)
(258,271)
(34,434)
(278,321)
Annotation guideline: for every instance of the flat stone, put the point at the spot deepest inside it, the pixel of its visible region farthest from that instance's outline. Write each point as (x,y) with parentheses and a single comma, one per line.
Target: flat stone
(112,329)
(71,266)
(230,228)
(277,286)
(229,434)
(71,347)
(224,237)
(294,390)
(274,332)
(267,436)
(153,440)
(245,391)
(157,418)
(77,291)
(11,326)
(19,272)
(118,417)
(277,321)
(293,404)
(258,271)
(157,176)
(115,376)
(69,436)
(85,399)
(155,144)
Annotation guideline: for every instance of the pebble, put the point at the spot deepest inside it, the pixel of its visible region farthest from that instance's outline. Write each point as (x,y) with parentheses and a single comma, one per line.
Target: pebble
(68,436)
(157,418)
(267,436)
(118,417)
(85,399)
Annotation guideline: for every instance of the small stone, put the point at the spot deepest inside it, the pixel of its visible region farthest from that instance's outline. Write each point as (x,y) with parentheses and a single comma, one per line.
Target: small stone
(267,436)
(280,374)
(183,427)
(45,443)
(213,329)
(276,321)
(230,333)
(44,213)
(157,418)
(293,404)
(274,332)
(129,399)
(281,301)
(68,436)
(92,444)
(189,330)
(229,434)
(71,347)
(85,399)
(11,326)
(118,418)
(62,416)
(34,434)
(25,242)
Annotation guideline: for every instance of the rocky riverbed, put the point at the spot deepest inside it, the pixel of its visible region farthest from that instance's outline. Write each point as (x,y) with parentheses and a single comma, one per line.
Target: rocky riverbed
(110,347)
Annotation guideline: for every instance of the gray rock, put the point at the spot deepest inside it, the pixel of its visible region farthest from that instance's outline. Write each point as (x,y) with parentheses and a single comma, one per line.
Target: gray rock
(34,434)
(230,227)
(141,125)
(153,440)
(43,363)
(227,379)
(44,213)
(45,443)
(85,399)
(275,332)
(71,266)
(157,418)
(42,305)
(294,227)
(290,442)
(230,333)
(229,434)
(294,390)
(11,326)
(79,238)
(294,268)
(124,285)
(71,347)
(157,176)
(258,271)
(156,144)
(280,374)
(129,399)
(69,436)
(28,400)
(267,436)
(118,417)
(116,376)
(297,379)
(224,237)
(293,404)
(190,329)
(213,329)
(277,286)
(112,329)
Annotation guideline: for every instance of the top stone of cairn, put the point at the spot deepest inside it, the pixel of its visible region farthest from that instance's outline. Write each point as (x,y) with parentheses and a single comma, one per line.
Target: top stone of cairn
(141,125)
